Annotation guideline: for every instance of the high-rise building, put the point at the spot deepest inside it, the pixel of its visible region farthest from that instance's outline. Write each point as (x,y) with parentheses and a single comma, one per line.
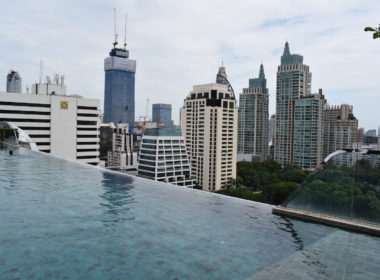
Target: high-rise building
(63,125)
(162,114)
(163,157)
(14,82)
(209,125)
(293,82)
(253,119)
(339,128)
(119,91)
(308,132)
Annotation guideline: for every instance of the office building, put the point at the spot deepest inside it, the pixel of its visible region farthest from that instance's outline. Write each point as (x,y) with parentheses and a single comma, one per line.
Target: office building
(63,125)
(293,82)
(163,157)
(119,91)
(209,126)
(14,83)
(253,120)
(308,131)
(340,128)
(162,115)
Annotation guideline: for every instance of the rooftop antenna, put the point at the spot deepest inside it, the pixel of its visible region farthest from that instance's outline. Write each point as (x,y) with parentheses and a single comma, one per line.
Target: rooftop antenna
(114,26)
(125,32)
(41,69)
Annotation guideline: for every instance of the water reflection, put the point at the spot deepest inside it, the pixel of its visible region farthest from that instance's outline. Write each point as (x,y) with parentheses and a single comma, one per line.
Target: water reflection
(287,225)
(118,198)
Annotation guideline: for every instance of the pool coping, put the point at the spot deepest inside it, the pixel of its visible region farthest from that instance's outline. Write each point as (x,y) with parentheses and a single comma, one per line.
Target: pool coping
(350,224)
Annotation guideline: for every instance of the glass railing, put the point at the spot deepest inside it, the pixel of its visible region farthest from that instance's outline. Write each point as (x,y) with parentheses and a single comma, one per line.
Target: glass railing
(346,185)
(8,134)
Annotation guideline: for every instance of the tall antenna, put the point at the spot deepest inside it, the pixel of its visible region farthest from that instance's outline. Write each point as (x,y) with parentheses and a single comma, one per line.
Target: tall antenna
(125,32)
(41,69)
(114,26)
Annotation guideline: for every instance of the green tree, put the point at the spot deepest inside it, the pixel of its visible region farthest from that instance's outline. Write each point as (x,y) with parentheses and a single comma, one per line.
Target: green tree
(376,31)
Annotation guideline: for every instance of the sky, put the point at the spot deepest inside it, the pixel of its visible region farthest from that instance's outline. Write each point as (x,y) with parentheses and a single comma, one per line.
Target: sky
(178,44)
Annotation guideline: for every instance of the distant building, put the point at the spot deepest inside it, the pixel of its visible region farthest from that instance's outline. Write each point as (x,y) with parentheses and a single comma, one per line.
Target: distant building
(163,157)
(14,83)
(119,91)
(162,114)
(307,133)
(121,156)
(293,82)
(209,126)
(339,128)
(253,119)
(371,133)
(63,125)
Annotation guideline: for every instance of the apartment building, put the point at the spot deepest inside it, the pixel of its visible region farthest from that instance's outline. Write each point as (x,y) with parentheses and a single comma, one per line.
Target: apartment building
(209,126)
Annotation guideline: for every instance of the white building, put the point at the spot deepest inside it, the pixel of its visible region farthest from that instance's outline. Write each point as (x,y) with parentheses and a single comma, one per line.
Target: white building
(163,157)
(209,125)
(66,126)
(122,157)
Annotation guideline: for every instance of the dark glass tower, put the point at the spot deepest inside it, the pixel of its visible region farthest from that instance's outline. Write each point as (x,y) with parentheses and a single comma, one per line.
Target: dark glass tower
(119,91)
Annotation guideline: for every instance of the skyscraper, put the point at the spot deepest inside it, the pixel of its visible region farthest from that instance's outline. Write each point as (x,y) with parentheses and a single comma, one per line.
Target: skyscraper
(339,128)
(119,91)
(253,119)
(162,113)
(272,128)
(209,125)
(293,82)
(308,132)
(14,82)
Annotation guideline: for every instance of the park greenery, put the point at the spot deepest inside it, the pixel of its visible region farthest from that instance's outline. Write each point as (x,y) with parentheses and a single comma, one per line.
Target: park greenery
(266,182)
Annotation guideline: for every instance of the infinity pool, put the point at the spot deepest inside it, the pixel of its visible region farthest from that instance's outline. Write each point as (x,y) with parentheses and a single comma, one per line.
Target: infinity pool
(63,220)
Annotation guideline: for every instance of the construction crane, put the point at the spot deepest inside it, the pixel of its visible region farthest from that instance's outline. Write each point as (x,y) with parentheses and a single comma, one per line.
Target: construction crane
(145,118)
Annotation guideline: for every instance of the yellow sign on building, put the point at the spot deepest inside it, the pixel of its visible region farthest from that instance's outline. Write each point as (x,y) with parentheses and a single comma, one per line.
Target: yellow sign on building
(64,105)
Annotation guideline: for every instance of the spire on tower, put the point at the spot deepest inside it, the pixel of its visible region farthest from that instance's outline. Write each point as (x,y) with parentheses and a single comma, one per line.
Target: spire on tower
(114,25)
(125,32)
(261,73)
(286,49)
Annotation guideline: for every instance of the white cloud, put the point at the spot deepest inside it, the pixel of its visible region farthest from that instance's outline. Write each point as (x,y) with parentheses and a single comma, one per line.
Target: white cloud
(181,43)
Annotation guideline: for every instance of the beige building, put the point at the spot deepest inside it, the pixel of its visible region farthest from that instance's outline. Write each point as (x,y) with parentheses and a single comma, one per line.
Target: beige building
(339,128)
(209,126)
(63,125)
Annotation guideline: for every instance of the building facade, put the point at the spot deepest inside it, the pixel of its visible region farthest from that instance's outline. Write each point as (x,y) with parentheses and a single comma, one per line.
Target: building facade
(339,128)
(209,126)
(293,82)
(14,83)
(308,131)
(272,128)
(162,114)
(120,156)
(63,125)
(119,90)
(253,119)
(163,157)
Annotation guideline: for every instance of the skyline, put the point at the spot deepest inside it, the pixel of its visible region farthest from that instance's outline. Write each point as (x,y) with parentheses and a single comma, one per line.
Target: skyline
(74,40)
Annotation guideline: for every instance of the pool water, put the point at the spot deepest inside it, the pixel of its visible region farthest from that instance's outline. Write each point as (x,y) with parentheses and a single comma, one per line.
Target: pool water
(64,220)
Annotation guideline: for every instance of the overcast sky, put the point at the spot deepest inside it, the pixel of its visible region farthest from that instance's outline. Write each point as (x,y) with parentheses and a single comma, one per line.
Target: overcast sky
(178,44)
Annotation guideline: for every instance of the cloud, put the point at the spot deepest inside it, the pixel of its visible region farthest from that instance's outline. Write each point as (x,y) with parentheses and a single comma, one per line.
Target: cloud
(181,43)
